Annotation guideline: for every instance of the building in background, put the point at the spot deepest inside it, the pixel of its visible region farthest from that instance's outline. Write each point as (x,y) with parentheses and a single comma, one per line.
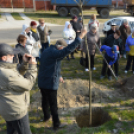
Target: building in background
(27,4)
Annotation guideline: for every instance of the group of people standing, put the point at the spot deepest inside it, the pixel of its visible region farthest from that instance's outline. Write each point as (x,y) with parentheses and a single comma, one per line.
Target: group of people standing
(33,40)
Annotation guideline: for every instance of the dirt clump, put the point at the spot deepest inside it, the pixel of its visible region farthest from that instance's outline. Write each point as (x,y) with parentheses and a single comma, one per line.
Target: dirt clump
(126,86)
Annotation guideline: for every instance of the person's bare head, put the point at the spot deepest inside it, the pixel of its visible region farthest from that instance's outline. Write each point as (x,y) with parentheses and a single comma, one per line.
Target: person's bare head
(117,34)
(93,17)
(22,39)
(125,22)
(42,21)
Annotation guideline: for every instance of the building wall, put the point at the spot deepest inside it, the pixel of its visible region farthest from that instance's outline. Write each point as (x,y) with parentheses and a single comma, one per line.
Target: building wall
(40,4)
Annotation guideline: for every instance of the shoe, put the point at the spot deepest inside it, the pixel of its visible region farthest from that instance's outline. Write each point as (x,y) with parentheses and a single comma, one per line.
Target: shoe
(124,56)
(102,77)
(60,126)
(87,70)
(46,119)
(93,68)
(72,57)
(68,58)
(109,78)
(125,72)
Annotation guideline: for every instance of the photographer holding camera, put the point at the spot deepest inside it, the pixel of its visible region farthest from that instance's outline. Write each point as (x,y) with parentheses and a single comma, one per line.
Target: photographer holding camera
(14,89)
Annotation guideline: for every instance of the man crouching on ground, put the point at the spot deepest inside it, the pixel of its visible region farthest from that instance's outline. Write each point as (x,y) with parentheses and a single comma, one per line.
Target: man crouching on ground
(49,76)
(14,89)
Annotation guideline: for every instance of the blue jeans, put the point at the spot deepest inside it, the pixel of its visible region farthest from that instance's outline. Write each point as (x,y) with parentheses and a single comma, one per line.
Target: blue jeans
(20,126)
(44,46)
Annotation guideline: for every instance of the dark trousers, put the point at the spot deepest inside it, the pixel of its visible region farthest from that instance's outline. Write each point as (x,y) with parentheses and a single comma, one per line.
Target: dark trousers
(49,103)
(19,126)
(91,61)
(129,61)
(105,68)
(44,46)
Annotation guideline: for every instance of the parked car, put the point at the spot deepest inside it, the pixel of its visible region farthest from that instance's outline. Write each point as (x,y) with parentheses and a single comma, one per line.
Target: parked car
(118,21)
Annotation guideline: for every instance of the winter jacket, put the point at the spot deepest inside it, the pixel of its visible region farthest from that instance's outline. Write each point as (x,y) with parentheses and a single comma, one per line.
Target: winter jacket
(110,32)
(129,47)
(36,48)
(110,57)
(125,32)
(30,40)
(43,34)
(91,40)
(22,50)
(91,22)
(110,41)
(14,89)
(49,71)
(77,27)
(68,34)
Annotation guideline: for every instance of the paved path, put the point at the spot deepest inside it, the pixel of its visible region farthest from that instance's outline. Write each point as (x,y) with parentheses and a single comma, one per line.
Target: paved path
(11,23)
(9,17)
(23,16)
(9,36)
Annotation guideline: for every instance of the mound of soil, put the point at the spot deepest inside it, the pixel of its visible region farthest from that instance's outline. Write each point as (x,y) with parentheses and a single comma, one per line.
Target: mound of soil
(99,117)
(127,86)
(75,93)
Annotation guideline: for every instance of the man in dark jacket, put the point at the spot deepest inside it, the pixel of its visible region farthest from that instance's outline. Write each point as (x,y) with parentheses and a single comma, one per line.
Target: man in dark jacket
(113,39)
(125,32)
(112,30)
(49,76)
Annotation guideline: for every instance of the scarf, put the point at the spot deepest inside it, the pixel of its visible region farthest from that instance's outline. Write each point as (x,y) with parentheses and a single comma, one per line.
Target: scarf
(34,30)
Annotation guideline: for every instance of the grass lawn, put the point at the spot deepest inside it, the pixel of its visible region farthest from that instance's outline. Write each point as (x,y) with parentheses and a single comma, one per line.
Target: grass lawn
(122,115)
(53,17)
(16,16)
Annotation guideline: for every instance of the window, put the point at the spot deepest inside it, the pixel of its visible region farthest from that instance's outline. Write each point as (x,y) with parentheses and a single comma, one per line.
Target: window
(117,22)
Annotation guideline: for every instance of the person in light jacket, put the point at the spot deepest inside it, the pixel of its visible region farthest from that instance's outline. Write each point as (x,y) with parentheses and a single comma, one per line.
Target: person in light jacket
(15,88)
(36,45)
(69,36)
(94,21)
(92,38)
(30,40)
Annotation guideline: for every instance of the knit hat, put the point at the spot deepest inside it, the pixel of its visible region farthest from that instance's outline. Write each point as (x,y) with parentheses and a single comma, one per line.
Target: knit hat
(74,17)
(33,23)
(113,24)
(115,48)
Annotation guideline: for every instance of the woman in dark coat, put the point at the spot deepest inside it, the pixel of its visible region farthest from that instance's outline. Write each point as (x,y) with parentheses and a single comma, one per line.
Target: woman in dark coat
(125,32)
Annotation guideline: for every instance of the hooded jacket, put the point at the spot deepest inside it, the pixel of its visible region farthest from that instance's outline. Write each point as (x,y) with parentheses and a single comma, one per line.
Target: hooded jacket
(68,34)
(91,40)
(14,89)
(31,44)
(110,57)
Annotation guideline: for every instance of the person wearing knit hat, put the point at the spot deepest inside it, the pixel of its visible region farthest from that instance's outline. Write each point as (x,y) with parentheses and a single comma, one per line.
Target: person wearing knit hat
(35,35)
(112,57)
(129,48)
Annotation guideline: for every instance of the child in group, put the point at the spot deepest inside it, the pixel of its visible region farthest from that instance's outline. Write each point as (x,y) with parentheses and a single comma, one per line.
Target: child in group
(112,57)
